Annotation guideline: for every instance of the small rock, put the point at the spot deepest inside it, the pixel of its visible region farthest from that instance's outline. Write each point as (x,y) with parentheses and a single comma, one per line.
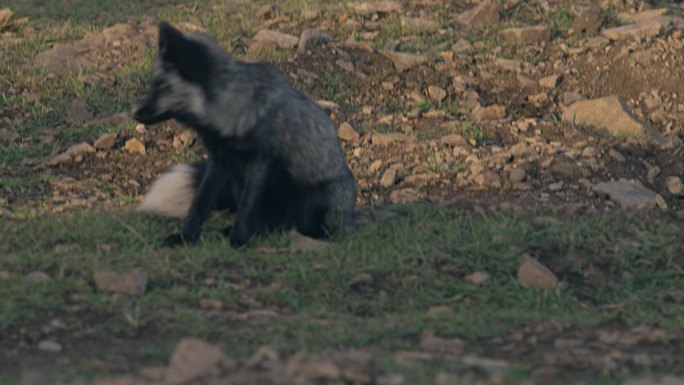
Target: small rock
(489,179)
(5,15)
(133,145)
(517,175)
(105,141)
(37,277)
(347,133)
(643,30)
(80,149)
(385,6)
(438,311)
(532,273)
(49,346)
(311,14)
(628,193)
(438,345)
(375,166)
(477,277)
(403,196)
(462,45)
(389,178)
(549,82)
(385,139)
(302,243)
(589,152)
(115,282)
(526,35)
(454,140)
(615,154)
(525,81)
(267,10)
(493,112)
(419,24)
(403,61)
(140,128)
(59,159)
(538,100)
(361,280)
(484,14)
(345,65)
(191,359)
(675,186)
(437,93)
(310,38)
(282,40)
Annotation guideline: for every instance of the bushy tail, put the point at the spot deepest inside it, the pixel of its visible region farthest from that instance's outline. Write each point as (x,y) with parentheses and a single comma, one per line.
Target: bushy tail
(171,194)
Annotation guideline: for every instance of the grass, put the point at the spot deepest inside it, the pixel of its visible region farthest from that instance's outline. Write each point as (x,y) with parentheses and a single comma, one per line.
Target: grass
(415,261)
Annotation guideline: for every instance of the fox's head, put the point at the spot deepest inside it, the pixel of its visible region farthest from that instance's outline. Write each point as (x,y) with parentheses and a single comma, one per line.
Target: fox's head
(180,75)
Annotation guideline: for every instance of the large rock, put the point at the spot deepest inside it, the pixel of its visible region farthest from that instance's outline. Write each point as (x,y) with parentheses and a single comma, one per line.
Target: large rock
(642,30)
(481,16)
(629,193)
(609,113)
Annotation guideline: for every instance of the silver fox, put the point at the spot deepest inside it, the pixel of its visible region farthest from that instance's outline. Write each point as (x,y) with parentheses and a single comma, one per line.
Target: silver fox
(274,156)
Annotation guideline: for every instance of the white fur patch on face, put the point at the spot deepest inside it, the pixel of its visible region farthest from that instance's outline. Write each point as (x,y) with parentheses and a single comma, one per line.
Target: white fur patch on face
(178,95)
(171,194)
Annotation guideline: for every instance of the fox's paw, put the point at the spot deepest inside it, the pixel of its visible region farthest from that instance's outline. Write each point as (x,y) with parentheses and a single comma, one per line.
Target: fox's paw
(178,239)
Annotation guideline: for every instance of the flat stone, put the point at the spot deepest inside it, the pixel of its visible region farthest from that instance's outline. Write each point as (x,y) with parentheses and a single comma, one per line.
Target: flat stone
(609,113)
(642,30)
(385,139)
(492,112)
(526,35)
(105,141)
(367,8)
(419,24)
(403,61)
(628,193)
(115,282)
(282,40)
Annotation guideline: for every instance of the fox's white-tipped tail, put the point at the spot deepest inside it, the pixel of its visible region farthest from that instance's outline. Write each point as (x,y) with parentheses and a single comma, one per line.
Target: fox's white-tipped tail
(171,194)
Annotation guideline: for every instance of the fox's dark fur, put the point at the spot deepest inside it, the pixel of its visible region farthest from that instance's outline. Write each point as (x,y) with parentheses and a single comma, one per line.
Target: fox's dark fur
(274,156)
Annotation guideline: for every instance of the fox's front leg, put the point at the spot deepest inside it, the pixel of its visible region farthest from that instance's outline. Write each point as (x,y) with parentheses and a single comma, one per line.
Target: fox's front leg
(204,201)
(247,220)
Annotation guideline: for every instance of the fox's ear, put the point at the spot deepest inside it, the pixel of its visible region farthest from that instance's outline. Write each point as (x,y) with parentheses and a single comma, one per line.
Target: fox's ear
(170,39)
